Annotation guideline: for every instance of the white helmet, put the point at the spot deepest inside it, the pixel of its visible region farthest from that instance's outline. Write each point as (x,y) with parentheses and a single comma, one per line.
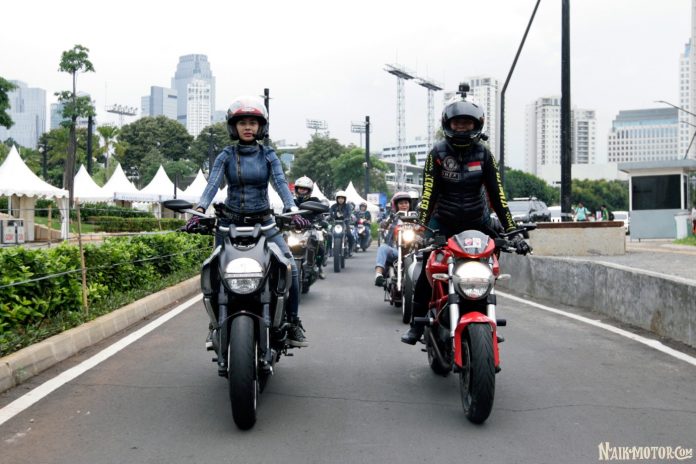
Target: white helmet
(304,182)
(341,193)
(245,107)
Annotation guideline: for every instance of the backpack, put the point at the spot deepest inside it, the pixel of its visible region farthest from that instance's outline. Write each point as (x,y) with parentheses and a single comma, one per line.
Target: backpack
(611,216)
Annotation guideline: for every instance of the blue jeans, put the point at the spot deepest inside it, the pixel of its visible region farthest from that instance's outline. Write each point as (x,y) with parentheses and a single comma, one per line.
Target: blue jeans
(273,236)
(385,256)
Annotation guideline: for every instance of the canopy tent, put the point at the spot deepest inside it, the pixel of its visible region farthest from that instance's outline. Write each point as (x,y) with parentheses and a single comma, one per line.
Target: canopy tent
(118,185)
(354,196)
(195,190)
(17,180)
(86,190)
(273,198)
(316,192)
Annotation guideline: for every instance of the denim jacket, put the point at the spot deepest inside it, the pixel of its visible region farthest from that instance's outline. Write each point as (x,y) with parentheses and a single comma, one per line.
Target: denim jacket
(247,169)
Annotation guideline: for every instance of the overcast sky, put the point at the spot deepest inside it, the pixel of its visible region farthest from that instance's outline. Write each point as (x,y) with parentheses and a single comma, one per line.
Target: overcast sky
(325,59)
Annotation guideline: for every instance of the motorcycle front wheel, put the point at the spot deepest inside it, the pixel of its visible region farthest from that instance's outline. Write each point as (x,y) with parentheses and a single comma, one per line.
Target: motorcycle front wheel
(337,255)
(477,377)
(243,372)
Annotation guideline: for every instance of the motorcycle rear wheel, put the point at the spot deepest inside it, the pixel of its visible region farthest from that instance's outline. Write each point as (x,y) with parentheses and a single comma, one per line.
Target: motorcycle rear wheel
(477,377)
(243,372)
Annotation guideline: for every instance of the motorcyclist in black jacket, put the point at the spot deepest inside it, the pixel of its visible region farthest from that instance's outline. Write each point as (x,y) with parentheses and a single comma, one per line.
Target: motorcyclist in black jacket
(456,170)
(303,192)
(341,211)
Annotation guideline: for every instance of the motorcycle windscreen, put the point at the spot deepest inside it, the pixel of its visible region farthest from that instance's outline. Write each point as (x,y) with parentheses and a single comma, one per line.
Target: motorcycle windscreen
(471,243)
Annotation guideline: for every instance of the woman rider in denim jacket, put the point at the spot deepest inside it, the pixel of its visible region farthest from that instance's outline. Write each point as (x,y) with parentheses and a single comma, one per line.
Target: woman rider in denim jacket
(248,166)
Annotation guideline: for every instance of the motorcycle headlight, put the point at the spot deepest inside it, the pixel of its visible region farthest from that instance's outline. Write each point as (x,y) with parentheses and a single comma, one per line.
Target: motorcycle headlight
(408,235)
(473,280)
(243,275)
(295,240)
(338,228)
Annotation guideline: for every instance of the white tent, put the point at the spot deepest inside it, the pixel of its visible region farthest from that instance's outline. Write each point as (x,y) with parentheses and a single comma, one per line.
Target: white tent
(119,186)
(86,190)
(195,190)
(354,196)
(160,188)
(273,198)
(17,180)
(316,192)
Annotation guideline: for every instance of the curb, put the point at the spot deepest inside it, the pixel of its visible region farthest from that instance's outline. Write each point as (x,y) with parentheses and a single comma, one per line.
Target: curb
(20,366)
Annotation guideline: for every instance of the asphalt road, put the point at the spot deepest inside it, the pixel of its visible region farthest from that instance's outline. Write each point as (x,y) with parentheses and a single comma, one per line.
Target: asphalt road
(358,395)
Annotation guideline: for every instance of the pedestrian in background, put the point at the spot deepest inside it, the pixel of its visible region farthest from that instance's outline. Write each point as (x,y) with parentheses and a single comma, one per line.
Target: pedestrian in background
(581,213)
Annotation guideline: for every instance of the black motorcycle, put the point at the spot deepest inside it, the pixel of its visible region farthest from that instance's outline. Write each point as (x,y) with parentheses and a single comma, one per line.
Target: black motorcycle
(245,283)
(339,244)
(364,238)
(304,244)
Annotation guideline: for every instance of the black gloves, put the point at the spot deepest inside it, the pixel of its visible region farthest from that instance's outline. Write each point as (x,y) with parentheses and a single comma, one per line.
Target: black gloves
(521,247)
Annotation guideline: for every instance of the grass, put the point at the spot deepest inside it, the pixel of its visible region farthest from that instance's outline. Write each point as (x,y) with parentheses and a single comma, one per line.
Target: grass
(690,240)
(55,224)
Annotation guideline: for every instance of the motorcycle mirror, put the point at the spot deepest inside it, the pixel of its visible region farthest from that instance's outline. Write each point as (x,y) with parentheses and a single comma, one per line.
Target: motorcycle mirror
(177,204)
(314,206)
(439,240)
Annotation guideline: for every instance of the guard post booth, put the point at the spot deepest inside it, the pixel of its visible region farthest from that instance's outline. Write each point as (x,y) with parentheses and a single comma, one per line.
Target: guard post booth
(658,196)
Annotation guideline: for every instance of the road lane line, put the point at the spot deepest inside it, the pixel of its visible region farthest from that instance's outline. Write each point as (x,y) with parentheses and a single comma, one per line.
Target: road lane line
(655,344)
(46,388)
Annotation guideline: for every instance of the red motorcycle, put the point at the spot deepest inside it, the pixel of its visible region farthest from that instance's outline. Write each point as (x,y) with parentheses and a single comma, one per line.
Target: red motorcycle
(461,324)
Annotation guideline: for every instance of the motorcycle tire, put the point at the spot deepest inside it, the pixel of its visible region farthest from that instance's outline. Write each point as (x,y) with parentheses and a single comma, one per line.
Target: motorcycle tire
(337,256)
(477,377)
(243,372)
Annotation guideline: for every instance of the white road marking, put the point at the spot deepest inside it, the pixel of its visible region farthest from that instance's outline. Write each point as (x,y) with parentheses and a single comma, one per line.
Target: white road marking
(46,388)
(655,344)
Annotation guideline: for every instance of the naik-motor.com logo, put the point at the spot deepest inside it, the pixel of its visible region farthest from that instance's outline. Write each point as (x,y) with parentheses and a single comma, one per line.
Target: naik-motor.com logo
(610,452)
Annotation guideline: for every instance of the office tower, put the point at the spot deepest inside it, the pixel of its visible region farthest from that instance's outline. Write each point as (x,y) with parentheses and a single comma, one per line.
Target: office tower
(28,112)
(161,102)
(190,68)
(644,135)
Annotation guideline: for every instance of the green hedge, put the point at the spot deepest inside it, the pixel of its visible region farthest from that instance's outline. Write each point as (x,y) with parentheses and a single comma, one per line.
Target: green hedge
(116,266)
(133,224)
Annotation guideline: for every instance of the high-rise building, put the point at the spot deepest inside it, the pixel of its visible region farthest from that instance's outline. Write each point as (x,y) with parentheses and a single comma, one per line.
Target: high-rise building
(583,129)
(691,84)
(28,113)
(543,134)
(644,135)
(192,67)
(161,102)
(199,106)
(686,131)
(412,149)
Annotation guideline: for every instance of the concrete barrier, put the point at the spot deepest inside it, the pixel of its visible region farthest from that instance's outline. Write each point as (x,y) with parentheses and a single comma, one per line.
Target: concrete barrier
(601,238)
(661,304)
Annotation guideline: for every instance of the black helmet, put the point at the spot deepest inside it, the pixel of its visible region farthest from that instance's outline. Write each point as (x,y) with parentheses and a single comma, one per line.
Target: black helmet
(245,107)
(466,110)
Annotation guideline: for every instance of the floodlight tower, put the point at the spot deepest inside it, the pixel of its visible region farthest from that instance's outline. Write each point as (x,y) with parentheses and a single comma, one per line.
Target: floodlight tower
(432,87)
(122,111)
(401,75)
(358,127)
(317,125)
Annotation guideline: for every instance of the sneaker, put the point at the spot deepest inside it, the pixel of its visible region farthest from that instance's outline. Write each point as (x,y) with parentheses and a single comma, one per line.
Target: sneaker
(413,335)
(320,274)
(379,280)
(296,334)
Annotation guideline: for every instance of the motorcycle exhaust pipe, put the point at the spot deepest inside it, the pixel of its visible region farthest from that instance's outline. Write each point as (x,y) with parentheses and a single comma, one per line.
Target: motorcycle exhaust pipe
(436,349)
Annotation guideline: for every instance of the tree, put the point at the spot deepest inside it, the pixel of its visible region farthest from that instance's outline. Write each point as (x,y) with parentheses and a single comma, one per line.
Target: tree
(350,167)
(204,143)
(595,193)
(5,88)
(58,141)
(74,61)
(108,134)
(523,184)
(314,161)
(160,133)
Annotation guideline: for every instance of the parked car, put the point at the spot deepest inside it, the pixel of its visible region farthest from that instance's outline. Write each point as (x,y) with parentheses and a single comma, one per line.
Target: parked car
(625,217)
(529,210)
(557,216)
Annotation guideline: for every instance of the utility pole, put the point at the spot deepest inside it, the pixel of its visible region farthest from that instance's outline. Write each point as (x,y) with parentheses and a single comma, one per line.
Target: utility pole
(566,149)
(368,166)
(90,129)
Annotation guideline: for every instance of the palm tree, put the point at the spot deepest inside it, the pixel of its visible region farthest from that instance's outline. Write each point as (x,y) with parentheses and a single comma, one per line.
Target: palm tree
(108,134)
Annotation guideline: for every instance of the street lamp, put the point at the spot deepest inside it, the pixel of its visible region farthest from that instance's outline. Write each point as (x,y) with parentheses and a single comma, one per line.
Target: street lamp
(44,149)
(686,155)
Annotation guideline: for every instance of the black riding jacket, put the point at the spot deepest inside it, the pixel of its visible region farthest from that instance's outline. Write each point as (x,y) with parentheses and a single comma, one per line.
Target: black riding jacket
(452,183)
